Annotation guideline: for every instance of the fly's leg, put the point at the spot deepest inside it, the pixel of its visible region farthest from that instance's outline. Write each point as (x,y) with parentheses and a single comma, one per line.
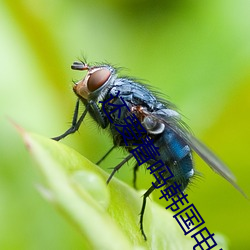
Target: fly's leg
(136,167)
(116,168)
(91,107)
(75,124)
(100,118)
(105,155)
(145,196)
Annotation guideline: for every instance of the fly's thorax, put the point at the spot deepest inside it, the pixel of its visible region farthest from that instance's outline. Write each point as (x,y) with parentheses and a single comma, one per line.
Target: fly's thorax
(154,122)
(93,85)
(152,125)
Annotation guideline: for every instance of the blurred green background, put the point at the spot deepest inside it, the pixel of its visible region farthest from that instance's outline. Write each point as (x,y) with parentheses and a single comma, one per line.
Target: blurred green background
(196,52)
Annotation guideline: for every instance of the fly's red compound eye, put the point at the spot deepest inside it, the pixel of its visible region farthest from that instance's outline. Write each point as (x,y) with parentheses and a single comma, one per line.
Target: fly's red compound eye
(97,79)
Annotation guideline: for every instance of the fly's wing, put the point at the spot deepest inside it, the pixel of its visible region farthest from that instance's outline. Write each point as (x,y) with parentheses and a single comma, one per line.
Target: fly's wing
(212,160)
(174,123)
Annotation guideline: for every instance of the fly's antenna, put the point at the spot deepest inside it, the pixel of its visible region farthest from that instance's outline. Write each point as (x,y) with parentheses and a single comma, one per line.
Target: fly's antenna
(80,66)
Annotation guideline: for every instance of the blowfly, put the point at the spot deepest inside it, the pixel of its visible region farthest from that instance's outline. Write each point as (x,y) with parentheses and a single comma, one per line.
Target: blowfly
(159,119)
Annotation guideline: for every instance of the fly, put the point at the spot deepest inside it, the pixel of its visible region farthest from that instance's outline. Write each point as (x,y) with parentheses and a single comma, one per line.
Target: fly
(161,122)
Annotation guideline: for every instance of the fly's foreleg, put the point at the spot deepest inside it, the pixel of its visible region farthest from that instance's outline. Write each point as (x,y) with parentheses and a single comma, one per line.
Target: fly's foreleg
(75,123)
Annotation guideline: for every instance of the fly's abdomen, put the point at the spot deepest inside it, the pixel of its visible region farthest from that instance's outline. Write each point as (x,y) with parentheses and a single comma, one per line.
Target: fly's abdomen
(176,154)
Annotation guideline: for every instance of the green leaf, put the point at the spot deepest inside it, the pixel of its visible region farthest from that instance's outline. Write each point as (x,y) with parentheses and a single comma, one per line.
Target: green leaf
(106,215)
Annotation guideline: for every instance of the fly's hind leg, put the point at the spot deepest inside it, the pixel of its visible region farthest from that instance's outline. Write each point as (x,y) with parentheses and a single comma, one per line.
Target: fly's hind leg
(145,196)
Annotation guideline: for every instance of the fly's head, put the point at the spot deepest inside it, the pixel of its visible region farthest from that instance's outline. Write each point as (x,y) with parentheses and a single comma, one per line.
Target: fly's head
(96,79)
